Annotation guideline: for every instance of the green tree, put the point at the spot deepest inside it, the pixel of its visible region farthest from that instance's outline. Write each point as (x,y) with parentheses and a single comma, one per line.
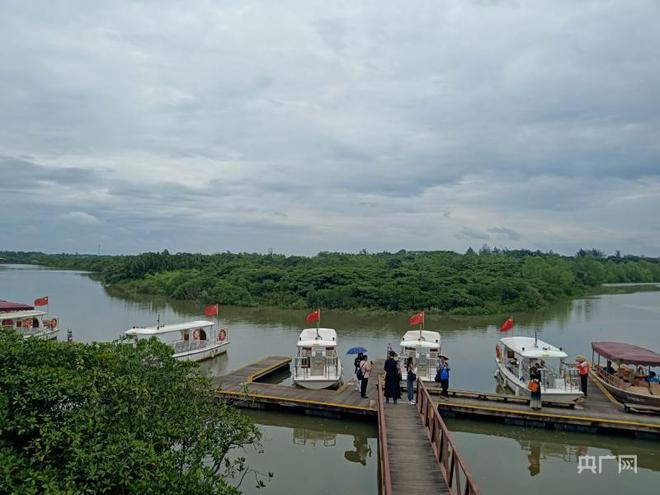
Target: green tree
(113,418)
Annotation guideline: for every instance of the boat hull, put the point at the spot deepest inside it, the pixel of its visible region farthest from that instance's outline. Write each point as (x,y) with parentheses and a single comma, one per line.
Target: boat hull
(520,388)
(318,384)
(626,396)
(45,335)
(202,354)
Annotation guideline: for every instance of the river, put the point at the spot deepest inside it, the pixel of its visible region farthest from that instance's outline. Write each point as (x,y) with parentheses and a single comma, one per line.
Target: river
(338,455)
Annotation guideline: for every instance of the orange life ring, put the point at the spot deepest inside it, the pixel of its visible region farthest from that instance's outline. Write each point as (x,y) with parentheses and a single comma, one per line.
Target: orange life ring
(27,323)
(195,334)
(222,335)
(53,323)
(497,351)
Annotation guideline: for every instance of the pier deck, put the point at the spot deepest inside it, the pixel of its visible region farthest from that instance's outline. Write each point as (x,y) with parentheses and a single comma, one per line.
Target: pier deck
(597,414)
(243,388)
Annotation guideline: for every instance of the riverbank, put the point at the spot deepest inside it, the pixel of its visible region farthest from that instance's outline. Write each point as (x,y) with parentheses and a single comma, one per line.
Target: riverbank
(490,282)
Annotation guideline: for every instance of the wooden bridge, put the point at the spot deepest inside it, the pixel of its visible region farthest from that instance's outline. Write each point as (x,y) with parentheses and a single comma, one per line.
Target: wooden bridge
(416,451)
(417,454)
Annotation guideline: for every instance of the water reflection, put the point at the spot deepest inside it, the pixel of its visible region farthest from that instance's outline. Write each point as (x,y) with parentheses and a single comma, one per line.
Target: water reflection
(361,450)
(541,446)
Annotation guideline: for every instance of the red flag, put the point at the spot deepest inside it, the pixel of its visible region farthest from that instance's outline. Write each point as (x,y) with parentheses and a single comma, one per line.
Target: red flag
(417,319)
(42,301)
(313,316)
(507,325)
(211,310)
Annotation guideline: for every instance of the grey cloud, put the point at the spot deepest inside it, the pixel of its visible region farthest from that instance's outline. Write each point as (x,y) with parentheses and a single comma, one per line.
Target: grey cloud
(506,233)
(315,125)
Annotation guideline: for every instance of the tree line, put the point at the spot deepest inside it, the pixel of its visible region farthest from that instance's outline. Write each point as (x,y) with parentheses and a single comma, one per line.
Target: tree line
(487,281)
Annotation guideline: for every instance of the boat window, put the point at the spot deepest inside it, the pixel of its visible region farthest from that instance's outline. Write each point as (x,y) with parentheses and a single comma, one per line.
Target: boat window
(202,334)
(8,323)
(35,323)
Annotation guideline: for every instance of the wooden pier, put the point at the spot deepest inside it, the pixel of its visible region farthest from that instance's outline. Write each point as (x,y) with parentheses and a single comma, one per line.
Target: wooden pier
(416,451)
(598,413)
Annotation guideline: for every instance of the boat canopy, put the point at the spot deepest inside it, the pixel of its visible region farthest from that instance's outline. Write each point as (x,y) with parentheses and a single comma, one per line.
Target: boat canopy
(326,337)
(10,315)
(626,353)
(13,306)
(425,338)
(174,327)
(532,348)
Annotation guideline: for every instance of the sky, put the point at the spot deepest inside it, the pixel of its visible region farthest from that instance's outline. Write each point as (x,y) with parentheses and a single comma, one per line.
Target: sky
(307,126)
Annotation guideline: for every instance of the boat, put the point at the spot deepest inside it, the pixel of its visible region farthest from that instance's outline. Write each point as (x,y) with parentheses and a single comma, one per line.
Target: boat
(560,381)
(317,365)
(30,323)
(190,340)
(424,347)
(629,375)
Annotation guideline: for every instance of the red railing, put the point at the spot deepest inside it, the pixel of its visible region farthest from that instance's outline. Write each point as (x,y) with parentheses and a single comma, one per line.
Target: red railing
(383,453)
(456,475)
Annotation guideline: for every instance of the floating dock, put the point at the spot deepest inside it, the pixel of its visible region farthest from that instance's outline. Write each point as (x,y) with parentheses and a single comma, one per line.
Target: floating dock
(598,413)
(415,440)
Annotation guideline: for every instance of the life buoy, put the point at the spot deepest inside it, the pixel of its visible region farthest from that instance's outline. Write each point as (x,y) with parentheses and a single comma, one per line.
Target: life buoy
(222,335)
(196,334)
(27,323)
(53,323)
(497,351)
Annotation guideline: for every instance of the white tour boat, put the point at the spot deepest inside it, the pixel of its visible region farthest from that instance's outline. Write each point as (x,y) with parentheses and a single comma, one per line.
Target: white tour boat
(190,341)
(30,323)
(424,347)
(559,381)
(317,365)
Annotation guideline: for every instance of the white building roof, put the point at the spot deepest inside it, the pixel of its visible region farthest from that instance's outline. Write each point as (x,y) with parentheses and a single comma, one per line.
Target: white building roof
(327,337)
(175,327)
(10,315)
(534,349)
(423,338)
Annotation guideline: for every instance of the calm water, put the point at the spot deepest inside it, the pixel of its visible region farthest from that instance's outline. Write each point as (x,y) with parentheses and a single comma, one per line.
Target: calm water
(94,314)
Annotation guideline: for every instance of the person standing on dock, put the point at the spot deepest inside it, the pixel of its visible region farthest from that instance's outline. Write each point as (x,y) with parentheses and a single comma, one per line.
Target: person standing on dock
(534,387)
(365,368)
(444,376)
(411,377)
(583,370)
(392,378)
(357,362)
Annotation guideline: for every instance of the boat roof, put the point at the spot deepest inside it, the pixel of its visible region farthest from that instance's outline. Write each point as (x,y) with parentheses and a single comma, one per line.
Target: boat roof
(327,337)
(427,338)
(13,306)
(532,348)
(174,327)
(627,353)
(9,315)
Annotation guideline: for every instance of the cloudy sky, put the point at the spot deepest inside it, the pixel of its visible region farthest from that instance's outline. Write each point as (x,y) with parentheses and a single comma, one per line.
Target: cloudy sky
(305,125)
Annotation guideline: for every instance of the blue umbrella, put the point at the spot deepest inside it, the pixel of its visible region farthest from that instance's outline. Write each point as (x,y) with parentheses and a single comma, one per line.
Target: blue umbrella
(356,350)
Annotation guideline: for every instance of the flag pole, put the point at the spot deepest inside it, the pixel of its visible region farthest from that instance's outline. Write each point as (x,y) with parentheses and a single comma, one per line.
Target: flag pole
(318,322)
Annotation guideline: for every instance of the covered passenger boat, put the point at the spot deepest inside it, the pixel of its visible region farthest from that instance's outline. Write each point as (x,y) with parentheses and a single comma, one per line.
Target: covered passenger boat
(629,372)
(516,355)
(317,365)
(27,321)
(190,340)
(424,347)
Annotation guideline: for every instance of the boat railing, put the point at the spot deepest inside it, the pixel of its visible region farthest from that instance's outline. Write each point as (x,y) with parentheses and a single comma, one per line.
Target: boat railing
(303,366)
(189,345)
(453,469)
(383,452)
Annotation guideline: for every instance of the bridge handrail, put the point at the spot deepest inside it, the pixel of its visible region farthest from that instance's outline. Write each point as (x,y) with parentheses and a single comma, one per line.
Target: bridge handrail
(446,453)
(384,455)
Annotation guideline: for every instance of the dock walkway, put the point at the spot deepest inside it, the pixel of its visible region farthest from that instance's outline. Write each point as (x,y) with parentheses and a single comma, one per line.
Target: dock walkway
(599,413)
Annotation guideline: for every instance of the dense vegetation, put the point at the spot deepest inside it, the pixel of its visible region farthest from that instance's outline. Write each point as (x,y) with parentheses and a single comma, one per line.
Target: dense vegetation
(112,418)
(490,281)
